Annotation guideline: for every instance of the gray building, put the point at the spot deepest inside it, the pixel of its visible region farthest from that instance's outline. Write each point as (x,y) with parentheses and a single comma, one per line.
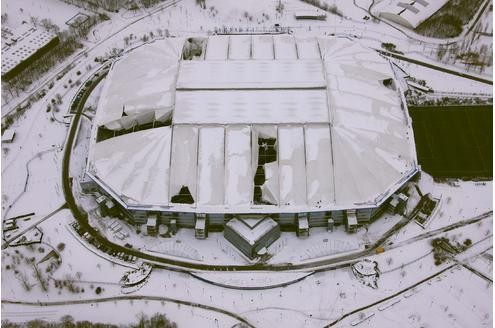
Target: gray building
(251,235)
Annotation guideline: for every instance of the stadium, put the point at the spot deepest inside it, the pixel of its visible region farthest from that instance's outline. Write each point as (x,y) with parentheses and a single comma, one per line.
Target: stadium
(305,131)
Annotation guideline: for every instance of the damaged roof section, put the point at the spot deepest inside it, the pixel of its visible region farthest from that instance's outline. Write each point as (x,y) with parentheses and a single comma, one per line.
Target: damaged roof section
(249,123)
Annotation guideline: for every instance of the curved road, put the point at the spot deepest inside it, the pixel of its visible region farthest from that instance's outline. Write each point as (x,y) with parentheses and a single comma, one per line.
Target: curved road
(134,297)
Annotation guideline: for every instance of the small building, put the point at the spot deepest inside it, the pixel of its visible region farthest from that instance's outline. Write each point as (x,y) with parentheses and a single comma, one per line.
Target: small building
(397,204)
(310,14)
(100,200)
(252,235)
(173,226)
(152,225)
(8,136)
(302,225)
(87,184)
(200,227)
(22,46)
(330,225)
(407,13)
(352,222)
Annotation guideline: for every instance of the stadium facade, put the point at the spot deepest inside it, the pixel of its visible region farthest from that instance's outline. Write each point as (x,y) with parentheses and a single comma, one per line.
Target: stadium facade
(252,126)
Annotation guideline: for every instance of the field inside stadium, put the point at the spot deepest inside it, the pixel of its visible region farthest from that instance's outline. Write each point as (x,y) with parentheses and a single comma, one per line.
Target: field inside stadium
(454,141)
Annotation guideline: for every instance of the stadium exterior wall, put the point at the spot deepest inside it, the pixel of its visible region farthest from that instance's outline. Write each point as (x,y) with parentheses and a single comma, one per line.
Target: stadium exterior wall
(217,221)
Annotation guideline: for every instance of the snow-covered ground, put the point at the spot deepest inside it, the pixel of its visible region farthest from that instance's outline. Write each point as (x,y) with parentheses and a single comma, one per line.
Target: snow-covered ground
(457,297)
(57,11)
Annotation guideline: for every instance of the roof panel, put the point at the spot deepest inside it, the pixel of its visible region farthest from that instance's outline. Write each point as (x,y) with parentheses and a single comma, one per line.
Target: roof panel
(285,47)
(292,165)
(136,166)
(142,81)
(307,48)
(184,160)
(217,47)
(211,166)
(319,166)
(251,74)
(262,47)
(240,47)
(239,182)
(251,106)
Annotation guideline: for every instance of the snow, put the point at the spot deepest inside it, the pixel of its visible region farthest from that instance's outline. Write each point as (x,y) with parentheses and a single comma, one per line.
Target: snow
(251,230)
(409,15)
(217,47)
(24,42)
(22,10)
(239,176)
(239,47)
(8,135)
(307,48)
(135,166)
(284,47)
(262,47)
(320,187)
(251,279)
(140,84)
(250,106)
(459,298)
(250,74)
(184,159)
(211,171)
(451,299)
(292,166)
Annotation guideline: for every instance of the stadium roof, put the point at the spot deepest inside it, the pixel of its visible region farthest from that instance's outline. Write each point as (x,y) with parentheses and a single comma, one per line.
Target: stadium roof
(341,133)
(408,13)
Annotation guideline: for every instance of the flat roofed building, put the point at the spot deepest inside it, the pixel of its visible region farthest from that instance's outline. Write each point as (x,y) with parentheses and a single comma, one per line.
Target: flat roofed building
(22,45)
(250,235)
(407,13)
(8,136)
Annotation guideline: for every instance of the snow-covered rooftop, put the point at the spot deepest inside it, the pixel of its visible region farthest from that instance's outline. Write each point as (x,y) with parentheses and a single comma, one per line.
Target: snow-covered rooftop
(20,44)
(251,230)
(408,13)
(342,136)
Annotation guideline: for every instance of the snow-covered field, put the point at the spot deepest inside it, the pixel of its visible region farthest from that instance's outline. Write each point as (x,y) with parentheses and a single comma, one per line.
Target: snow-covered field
(55,10)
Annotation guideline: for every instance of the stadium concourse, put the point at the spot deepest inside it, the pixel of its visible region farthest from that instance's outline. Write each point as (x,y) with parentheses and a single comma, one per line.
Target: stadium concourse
(252,126)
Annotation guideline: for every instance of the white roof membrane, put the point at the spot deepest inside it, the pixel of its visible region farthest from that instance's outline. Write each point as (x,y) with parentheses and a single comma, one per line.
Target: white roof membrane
(262,47)
(292,165)
(141,82)
(343,140)
(135,166)
(184,159)
(239,182)
(285,47)
(217,47)
(250,74)
(251,106)
(319,165)
(211,169)
(307,48)
(240,47)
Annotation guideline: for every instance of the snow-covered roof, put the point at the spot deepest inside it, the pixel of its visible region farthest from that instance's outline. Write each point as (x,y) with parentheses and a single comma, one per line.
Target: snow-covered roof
(250,106)
(8,135)
(20,44)
(251,230)
(140,86)
(408,13)
(135,166)
(250,74)
(344,142)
